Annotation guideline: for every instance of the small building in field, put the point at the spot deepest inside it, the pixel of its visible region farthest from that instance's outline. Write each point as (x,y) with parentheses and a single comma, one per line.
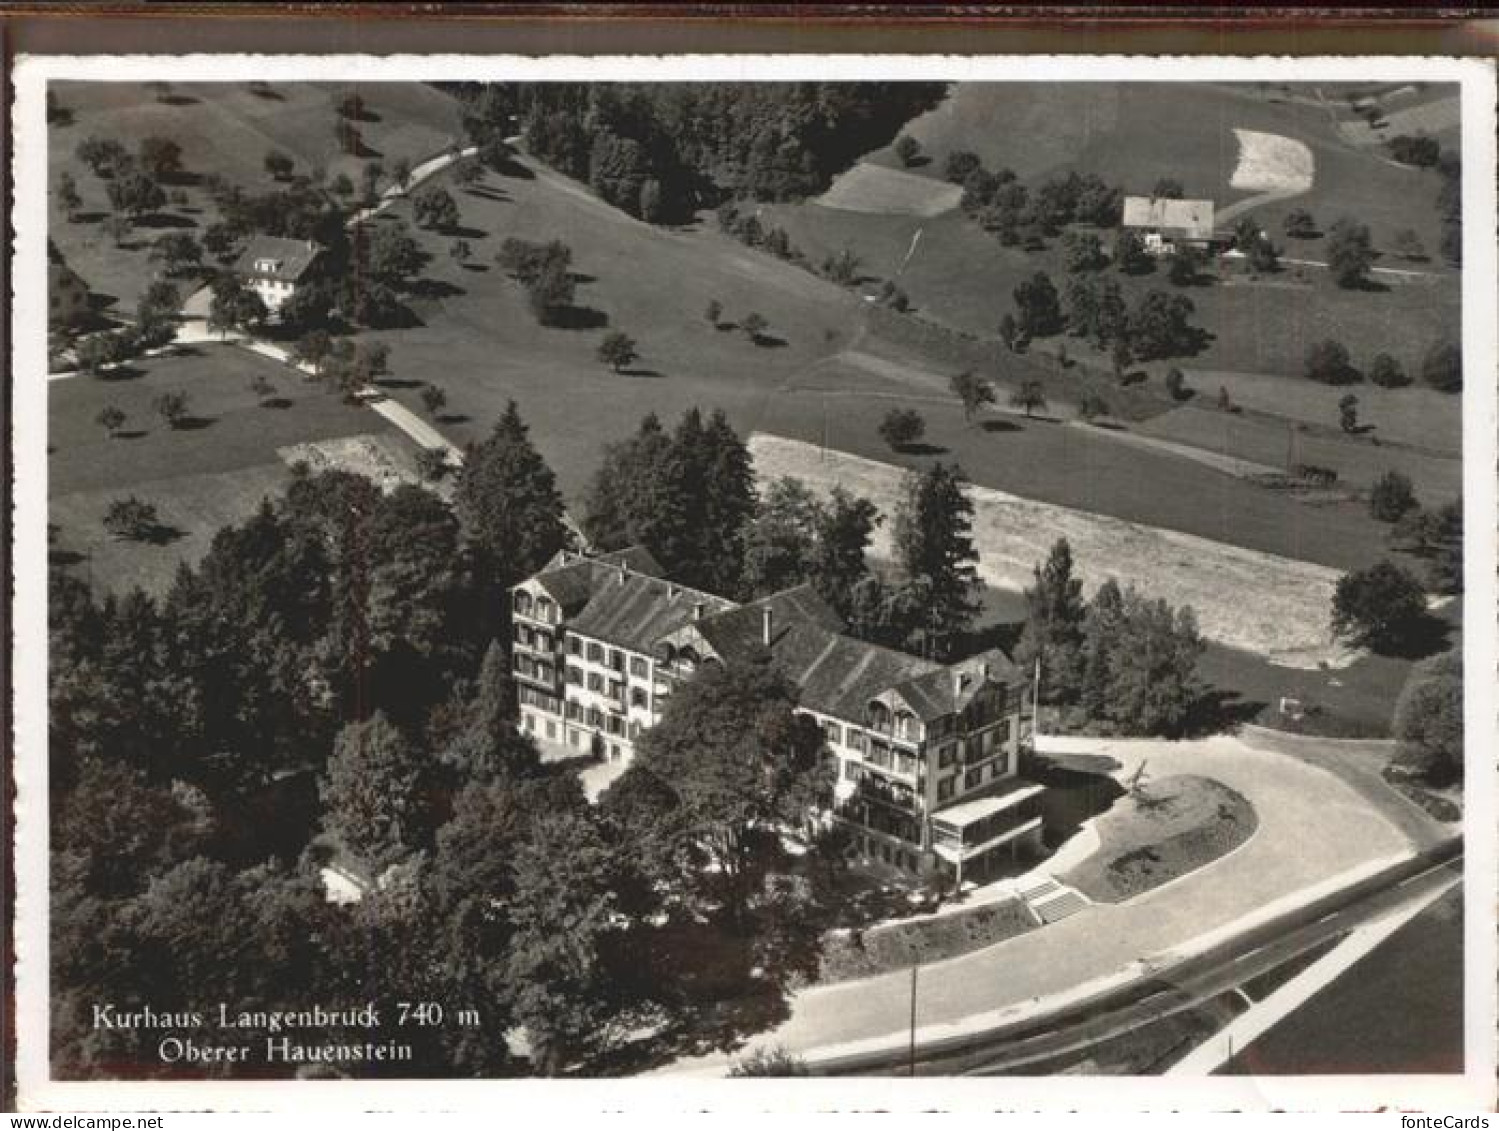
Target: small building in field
(67,293)
(1167,224)
(275,267)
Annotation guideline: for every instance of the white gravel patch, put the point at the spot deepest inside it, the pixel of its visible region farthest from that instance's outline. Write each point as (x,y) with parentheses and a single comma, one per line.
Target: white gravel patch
(1272,163)
(1272,606)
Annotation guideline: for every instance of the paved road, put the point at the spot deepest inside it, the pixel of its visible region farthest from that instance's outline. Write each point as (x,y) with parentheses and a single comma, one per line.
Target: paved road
(1313,829)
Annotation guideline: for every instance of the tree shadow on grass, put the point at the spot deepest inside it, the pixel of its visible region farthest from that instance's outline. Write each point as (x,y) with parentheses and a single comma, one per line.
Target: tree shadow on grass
(131,434)
(464,232)
(121,373)
(485,192)
(399,383)
(1424,637)
(162,534)
(194,423)
(165,220)
(921,449)
(769,341)
(435,288)
(63,557)
(1220,709)
(1001,426)
(453,418)
(476,268)
(509,167)
(178,100)
(634,371)
(88,217)
(276,402)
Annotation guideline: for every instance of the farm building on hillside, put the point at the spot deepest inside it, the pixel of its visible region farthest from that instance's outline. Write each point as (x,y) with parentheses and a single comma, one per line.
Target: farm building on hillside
(927,755)
(274,267)
(1168,224)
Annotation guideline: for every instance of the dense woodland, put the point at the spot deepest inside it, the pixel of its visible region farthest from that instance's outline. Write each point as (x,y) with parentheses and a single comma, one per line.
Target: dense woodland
(660,151)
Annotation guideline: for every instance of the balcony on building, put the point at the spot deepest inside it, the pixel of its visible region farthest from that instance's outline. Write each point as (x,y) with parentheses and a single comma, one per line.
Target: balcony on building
(972,828)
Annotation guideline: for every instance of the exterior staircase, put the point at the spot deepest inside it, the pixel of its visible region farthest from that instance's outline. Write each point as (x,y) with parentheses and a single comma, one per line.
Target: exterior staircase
(1050,901)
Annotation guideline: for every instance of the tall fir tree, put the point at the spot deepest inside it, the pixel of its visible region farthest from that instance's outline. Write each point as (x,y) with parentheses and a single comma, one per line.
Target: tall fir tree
(508,502)
(934,547)
(1054,625)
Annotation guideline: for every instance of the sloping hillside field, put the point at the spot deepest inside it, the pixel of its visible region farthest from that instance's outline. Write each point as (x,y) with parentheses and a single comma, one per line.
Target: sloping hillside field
(1272,606)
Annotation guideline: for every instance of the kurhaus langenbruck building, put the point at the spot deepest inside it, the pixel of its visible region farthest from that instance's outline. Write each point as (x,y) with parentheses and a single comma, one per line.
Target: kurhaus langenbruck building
(927,753)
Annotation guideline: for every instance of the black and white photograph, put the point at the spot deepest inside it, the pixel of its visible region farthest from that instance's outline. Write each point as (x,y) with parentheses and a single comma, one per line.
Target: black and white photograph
(861,568)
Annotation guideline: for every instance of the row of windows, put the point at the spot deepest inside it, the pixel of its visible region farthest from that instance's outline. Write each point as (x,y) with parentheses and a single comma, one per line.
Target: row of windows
(538,608)
(974,777)
(872,849)
(535,669)
(616,725)
(595,682)
(531,697)
(947,754)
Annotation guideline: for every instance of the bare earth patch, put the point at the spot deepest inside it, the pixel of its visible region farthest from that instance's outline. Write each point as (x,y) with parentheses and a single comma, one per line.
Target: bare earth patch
(874,188)
(1272,606)
(1164,830)
(1272,163)
(384,459)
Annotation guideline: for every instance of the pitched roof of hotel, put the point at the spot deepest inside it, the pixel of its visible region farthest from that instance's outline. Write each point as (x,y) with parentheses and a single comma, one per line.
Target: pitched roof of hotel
(572,579)
(739,632)
(632,610)
(621,599)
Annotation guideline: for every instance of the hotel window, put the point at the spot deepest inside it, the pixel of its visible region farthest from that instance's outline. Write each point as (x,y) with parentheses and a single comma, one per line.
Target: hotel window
(947,755)
(574,675)
(544,641)
(595,682)
(574,646)
(973,777)
(945,788)
(905,764)
(1004,731)
(544,608)
(595,652)
(637,697)
(617,690)
(1001,766)
(523,603)
(639,668)
(616,659)
(857,741)
(833,733)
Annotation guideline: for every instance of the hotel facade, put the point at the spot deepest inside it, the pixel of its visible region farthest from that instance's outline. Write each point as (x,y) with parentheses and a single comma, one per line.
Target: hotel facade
(927,754)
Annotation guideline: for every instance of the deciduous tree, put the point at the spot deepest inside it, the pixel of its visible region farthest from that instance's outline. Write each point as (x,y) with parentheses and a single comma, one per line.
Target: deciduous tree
(1379,607)
(902,427)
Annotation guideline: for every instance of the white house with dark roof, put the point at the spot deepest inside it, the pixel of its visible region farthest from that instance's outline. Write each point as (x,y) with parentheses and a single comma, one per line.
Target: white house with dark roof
(927,754)
(274,267)
(1166,224)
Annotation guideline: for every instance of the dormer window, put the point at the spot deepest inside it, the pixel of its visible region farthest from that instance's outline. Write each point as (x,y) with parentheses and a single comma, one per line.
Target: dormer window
(268,266)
